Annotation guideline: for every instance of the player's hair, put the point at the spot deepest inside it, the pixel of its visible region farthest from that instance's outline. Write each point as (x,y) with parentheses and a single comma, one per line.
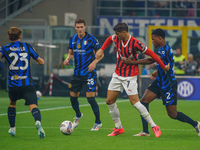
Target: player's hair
(14,33)
(159,32)
(80,20)
(121,27)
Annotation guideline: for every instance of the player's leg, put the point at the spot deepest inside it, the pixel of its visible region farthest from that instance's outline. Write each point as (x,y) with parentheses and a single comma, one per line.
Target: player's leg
(174,114)
(11,118)
(14,95)
(150,94)
(90,94)
(75,106)
(37,117)
(75,88)
(114,112)
(95,108)
(130,86)
(147,97)
(74,102)
(29,94)
(114,89)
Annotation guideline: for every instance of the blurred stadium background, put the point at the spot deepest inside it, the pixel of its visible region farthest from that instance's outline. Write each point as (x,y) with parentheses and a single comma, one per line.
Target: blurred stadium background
(48,25)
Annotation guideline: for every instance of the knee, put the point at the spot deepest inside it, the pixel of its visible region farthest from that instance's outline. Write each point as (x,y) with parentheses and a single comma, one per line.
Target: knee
(172,115)
(12,104)
(144,100)
(109,102)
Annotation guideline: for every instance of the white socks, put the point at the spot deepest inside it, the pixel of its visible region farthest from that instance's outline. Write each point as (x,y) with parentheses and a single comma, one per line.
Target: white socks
(144,113)
(114,112)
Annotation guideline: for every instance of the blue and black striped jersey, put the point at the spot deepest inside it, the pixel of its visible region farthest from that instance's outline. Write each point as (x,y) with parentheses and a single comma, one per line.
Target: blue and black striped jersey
(83,52)
(167,56)
(17,55)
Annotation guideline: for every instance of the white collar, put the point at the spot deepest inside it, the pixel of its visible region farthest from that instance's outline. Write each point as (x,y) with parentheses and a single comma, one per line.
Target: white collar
(126,42)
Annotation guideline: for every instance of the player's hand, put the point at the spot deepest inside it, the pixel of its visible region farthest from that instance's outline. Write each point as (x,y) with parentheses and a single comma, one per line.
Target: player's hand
(99,54)
(127,61)
(91,67)
(153,75)
(166,67)
(66,62)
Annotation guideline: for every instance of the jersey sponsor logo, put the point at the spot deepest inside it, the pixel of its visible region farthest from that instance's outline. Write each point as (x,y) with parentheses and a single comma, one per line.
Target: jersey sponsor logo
(80,51)
(185,89)
(16,77)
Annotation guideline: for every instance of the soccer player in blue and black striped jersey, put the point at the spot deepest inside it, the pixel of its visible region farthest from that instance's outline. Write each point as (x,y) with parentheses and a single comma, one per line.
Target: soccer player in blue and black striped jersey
(164,85)
(82,47)
(20,83)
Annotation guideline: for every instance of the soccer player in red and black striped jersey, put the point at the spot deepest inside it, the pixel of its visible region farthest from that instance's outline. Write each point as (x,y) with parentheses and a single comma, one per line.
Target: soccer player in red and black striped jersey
(20,83)
(125,75)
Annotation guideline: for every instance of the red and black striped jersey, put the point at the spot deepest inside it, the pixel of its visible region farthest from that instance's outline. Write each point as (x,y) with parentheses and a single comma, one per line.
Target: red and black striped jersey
(126,49)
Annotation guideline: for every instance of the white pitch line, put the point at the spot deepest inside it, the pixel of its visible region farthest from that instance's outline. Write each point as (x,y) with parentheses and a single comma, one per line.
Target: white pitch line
(56,108)
(136,129)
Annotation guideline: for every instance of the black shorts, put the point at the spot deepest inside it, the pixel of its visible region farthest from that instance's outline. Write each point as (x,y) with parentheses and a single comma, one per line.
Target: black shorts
(169,95)
(77,83)
(27,92)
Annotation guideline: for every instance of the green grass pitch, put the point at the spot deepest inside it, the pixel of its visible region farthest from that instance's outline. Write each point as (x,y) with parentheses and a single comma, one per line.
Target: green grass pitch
(54,110)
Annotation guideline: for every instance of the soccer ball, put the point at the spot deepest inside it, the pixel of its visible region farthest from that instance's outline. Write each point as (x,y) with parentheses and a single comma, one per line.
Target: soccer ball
(66,127)
(39,94)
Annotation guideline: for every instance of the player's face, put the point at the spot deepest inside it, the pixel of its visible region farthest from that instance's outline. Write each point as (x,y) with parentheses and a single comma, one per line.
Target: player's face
(120,35)
(80,28)
(156,40)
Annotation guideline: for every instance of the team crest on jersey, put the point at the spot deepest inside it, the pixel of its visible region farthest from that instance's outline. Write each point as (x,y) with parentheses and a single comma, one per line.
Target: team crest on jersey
(70,85)
(79,46)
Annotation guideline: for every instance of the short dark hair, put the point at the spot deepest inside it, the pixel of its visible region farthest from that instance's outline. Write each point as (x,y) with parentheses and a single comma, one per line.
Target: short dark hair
(159,32)
(14,33)
(80,20)
(121,27)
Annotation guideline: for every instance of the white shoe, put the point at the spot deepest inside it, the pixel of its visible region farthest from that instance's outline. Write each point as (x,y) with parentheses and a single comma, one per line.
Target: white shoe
(41,132)
(76,121)
(142,133)
(96,127)
(12,131)
(197,128)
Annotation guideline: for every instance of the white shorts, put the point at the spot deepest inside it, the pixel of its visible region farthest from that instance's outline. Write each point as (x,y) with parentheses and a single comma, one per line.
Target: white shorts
(129,84)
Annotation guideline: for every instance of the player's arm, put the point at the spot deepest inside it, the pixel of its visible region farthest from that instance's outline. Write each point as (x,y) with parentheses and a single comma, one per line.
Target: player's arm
(40,61)
(1,52)
(1,55)
(69,57)
(157,59)
(153,75)
(130,61)
(100,52)
(92,66)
